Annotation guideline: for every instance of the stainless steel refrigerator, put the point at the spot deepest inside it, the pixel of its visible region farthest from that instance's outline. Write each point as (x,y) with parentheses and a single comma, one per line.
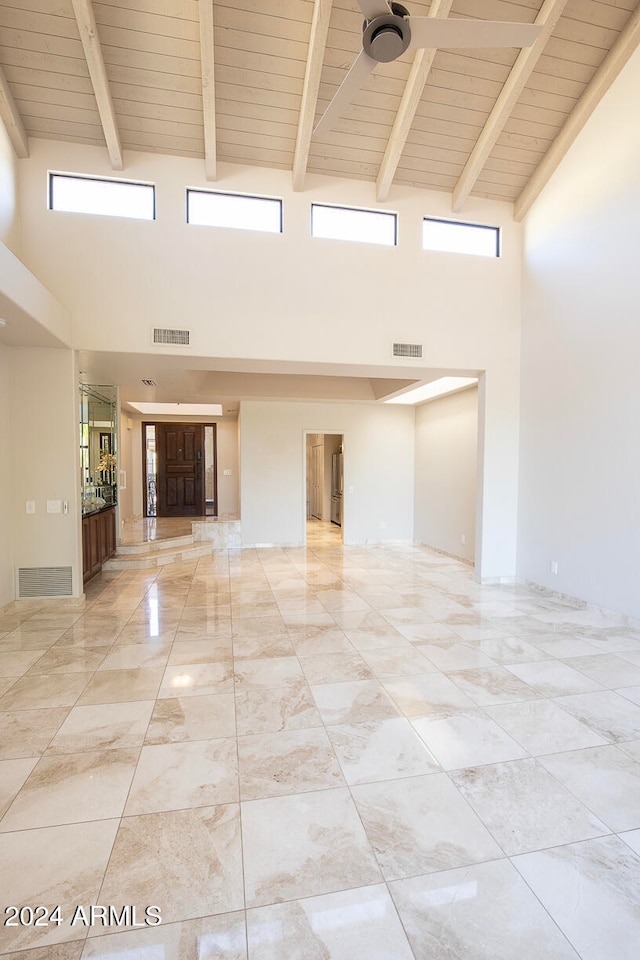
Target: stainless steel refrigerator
(336,489)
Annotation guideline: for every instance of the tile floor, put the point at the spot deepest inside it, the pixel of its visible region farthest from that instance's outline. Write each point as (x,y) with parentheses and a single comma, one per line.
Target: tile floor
(330,753)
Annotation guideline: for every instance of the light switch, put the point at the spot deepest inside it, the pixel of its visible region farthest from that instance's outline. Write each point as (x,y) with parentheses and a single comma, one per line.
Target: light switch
(227,473)
(54,506)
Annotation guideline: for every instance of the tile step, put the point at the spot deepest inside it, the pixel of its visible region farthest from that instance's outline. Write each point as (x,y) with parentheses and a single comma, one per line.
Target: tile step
(157,558)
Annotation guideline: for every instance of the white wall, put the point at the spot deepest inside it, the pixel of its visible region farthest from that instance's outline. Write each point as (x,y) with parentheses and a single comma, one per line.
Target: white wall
(378,465)
(445,476)
(290,297)
(44,458)
(6,505)
(580,462)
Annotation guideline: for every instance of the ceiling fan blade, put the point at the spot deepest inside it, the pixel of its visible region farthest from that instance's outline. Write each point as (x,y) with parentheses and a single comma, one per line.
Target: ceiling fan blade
(432,32)
(361,67)
(374,8)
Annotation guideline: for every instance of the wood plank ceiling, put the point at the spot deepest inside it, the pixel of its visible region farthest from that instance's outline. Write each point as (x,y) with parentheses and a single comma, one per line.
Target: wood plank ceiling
(242,81)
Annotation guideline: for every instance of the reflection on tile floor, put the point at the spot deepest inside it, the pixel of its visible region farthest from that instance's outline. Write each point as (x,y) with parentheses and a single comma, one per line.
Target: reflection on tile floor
(341,753)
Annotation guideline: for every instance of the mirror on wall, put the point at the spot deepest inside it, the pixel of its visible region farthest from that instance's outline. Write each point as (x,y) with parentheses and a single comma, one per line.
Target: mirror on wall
(98,446)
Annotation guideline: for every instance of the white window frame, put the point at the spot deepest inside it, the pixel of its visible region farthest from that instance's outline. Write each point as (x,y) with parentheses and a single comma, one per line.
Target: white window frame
(486,228)
(361,210)
(55,176)
(234,196)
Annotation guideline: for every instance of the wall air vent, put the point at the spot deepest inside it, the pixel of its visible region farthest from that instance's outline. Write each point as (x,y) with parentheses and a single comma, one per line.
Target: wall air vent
(171,338)
(407,350)
(149,383)
(44,582)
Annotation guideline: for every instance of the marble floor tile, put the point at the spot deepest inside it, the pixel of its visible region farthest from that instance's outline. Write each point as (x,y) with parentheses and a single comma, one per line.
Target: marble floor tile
(605,779)
(294,761)
(68,660)
(553,678)
(196,679)
(221,937)
(542,726)
(6,683)
(135,655)
(421,824)
(100,727)
(399,616)
(376,638)
(454,656)
(509,650)
(353,702)
(304,845)
(491,685)
(480,912)
(563,647)
(31,693)
(15,663)
(207,717)
(630,693)
(122,686)
(209,650)
(13,774)
(427,695)
(195,773)
(268,672)
(524,807)
(613,716)
(69,874)
(427,632)
(187,862)
(380,750)
(592,891)
(254,648)
(466,739)
(71,789)
(57,951)
(334,667)
(27,733)
(608,670)
(269,709)
(397,662)
(308,641)
(360,924)
(632,839)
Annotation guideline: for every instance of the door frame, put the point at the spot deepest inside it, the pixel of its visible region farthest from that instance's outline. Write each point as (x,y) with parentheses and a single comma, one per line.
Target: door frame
(202,423)
(324,432)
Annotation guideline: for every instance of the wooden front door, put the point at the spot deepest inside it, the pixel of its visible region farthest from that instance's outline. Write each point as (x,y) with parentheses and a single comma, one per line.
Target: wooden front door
(180,469)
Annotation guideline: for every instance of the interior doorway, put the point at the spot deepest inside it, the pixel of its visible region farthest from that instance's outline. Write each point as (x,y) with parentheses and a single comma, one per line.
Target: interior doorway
(325,486)
(180,469)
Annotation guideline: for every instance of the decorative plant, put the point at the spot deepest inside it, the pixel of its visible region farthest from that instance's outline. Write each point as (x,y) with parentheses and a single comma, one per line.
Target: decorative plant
(107,461)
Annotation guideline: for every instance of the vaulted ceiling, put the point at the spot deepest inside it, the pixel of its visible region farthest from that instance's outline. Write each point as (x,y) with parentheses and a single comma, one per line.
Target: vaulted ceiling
(244,81)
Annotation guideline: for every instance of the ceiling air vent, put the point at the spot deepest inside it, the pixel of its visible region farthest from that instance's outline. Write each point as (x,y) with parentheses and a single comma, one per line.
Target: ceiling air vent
(44,582)
(171,338)
(149,383)
(407,350)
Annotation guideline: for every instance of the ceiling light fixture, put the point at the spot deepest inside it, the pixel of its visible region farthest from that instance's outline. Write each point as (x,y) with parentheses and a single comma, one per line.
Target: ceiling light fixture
(437,388)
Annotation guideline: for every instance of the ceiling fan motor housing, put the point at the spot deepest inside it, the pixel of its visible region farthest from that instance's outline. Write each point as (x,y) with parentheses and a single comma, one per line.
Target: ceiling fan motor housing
(387,37)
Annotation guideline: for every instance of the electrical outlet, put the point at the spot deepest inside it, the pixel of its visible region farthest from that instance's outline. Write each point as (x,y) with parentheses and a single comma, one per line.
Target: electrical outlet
(463,538)
(553,567)
(30,506)
(227,473)
(383,525)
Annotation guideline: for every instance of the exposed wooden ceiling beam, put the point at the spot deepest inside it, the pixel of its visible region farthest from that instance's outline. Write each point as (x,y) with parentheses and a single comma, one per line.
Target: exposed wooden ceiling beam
(208,88)
(12,120)
(420,68)
(549,14)
(95,62)
(626,44)
(315,59)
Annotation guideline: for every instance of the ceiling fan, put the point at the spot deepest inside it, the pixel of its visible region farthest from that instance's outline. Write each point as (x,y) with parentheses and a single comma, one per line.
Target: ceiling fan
(389,29)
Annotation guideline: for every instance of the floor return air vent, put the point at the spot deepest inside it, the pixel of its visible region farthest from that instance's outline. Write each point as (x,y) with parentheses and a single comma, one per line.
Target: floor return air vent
(44,582)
